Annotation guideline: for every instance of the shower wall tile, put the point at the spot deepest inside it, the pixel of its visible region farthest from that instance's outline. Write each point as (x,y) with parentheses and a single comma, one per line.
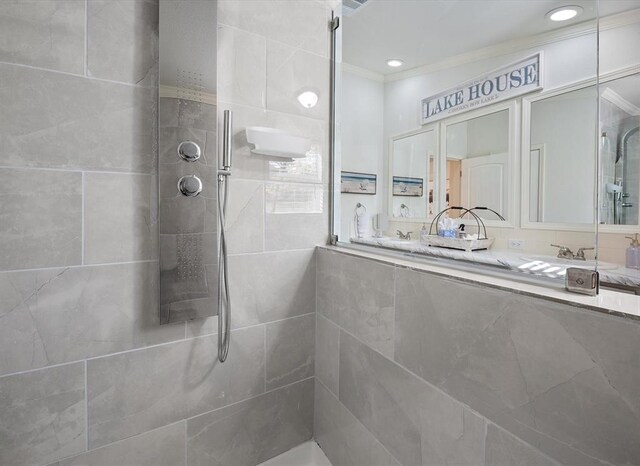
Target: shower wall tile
(40,218)
(272,286)
(253,431)
(243,81)
(245,217)
(161,447)
(503,448)
(52,316)
(43,33)
(42,415)
(291,71)
(327,362)
(417,423)
(296,231)
(123,40)
(56,120)
(344,440)
(358,295)
(290,350)
(133,392)
(120,218)
(302,25)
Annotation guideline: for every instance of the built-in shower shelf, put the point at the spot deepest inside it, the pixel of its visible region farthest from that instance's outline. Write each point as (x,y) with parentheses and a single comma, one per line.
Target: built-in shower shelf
(277,143)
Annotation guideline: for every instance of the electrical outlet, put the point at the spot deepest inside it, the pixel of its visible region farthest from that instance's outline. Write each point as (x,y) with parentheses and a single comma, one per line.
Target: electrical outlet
(516,244)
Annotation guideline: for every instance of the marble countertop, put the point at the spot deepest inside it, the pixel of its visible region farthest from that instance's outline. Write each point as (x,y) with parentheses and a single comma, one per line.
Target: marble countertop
(533,264)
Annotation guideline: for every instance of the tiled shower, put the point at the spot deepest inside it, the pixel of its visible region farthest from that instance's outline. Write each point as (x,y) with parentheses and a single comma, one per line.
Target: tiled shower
(379,363)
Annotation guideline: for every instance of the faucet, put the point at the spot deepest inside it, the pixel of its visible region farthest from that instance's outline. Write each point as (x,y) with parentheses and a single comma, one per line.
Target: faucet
(565,253)
(406,235)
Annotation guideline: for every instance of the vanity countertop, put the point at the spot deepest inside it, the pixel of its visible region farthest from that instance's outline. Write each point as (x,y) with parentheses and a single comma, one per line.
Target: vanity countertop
(520,261)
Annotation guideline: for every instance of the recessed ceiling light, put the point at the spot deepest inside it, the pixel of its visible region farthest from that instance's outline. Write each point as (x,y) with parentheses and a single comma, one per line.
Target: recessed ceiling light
(564,13)
(395,62)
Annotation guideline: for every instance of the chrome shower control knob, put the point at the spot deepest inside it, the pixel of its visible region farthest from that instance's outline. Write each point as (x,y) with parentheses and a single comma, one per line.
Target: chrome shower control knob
(190,185)
(189,151)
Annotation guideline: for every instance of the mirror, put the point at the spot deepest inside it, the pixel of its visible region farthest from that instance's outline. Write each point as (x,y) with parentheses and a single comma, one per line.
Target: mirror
(413,159)
(187,160)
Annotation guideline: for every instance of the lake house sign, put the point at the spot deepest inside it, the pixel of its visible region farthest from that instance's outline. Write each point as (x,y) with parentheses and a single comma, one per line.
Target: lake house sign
(505,83)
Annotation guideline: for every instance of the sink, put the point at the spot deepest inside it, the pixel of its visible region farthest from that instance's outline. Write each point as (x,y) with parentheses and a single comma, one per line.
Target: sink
(538,262)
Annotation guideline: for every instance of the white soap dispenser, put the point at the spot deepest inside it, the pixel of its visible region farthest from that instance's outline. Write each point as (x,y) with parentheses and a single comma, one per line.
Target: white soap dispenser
(633,253)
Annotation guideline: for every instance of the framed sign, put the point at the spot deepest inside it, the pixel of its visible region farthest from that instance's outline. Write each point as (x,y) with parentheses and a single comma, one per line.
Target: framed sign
(358,183)
(404,186)
(504,83)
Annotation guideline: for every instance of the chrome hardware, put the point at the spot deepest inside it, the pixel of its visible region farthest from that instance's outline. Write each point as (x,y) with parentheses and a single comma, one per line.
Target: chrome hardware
(227,140)
(190,185)
(406,235)
(563,252)
(626,204)
(582,281)
(189,151)
(580,253)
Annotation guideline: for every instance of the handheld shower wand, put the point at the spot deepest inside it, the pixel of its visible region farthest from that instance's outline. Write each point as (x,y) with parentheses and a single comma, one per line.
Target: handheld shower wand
(224,298)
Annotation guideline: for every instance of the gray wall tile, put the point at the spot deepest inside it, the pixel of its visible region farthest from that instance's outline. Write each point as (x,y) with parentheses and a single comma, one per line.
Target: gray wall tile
(133,392)
(161,447)
(327,363)
(120,218)
(272,286)
(40,218)
(123,40)
(417,423)
(42,415)
(344,440)
(245,216)
(290,350)
(357,294)
(43,33)
(503,449)
(75,123)
(252,431)
(54,316)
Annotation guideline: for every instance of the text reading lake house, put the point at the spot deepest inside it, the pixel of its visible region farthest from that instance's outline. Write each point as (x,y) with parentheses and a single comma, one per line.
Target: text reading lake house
(508,82)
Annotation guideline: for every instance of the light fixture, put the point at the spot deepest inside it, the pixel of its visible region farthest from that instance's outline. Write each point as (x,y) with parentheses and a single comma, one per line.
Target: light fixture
(308,99)
(394,62)
(564,13)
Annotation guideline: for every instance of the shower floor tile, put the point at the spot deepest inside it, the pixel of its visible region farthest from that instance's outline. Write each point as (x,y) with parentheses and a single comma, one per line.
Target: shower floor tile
(306,454)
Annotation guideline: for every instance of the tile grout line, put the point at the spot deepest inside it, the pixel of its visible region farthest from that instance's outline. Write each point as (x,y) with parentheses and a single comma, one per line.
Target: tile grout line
(86,38)
(77,266)
(84,170)
(82,218)
(265,358)
(186,443)
(86,405)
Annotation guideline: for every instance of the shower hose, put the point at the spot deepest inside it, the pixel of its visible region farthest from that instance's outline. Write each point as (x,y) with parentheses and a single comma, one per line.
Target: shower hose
(224,300)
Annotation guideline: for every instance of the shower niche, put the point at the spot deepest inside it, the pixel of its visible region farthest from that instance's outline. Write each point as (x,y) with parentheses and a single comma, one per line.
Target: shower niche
(187,160)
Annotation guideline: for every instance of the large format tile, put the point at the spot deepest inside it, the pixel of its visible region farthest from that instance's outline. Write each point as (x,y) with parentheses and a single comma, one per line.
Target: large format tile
(252,431)
(54,316)
(137,391)
(120,218)
(357,294)
(290,350)
(344,440)
(40,218)
(417,423)
(161,447)
(502,449)
(122,40)
(291,71)
(299,24)
(56,120)
(43,33)
(245,216)
(243,80)
(271,286)
(327,363)
(42,415)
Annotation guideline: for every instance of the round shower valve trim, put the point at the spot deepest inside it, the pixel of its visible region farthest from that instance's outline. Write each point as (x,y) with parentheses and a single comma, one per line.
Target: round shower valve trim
(189,151)
(190,185)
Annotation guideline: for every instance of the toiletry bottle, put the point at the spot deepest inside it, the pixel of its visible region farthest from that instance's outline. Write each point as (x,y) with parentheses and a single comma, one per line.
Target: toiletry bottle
(424,233)
(633,253)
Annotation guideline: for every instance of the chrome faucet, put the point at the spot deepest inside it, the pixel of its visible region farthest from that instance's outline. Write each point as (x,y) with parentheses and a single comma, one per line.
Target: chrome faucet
(565,253)
(406,235)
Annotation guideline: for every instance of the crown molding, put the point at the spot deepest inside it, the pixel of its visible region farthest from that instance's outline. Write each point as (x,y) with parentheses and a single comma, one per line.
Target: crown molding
(177,93)
(363,73)
(589,27)
(620,102)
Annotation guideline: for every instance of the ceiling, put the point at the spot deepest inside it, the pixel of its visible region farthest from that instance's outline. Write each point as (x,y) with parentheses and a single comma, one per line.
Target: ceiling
(422,32)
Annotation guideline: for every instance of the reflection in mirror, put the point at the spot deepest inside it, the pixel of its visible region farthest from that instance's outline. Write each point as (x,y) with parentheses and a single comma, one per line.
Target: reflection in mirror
(620,150)
(413,159)
(562,157)
(477,155)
